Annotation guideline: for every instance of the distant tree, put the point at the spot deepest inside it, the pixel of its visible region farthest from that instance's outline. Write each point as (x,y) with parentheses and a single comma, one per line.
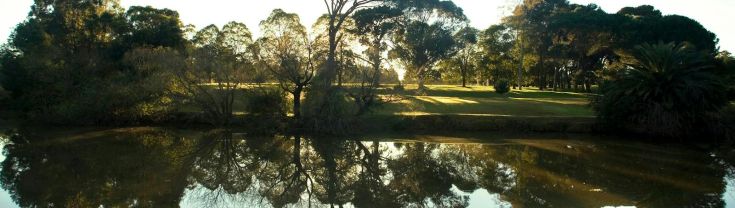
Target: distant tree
(496,45)
(725,64)
(237,39)
(288,53)
(421,46)
(62,63)
(155,27)
(345,56)
(212,74)
(338,11)
(584,38)
(374,27)
(466,39)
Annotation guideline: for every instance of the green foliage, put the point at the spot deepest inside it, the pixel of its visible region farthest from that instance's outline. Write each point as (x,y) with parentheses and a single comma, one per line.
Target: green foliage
(266,110)
(266,103)
(564,45)
(286,51)
(398,88)
(666,90)
(725,66)
(64,64)
(497,56)
(4,94)
(502,86)
(330,115)
(421,45)
(155,27)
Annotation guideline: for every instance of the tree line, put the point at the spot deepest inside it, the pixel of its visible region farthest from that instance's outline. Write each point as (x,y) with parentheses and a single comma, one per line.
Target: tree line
(93,62)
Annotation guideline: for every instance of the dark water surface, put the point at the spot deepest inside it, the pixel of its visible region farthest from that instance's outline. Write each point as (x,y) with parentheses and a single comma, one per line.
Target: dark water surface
(156,167)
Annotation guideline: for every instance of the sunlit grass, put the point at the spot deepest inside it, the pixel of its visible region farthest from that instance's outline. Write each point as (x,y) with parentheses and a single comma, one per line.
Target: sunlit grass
(482,100)
(471,100)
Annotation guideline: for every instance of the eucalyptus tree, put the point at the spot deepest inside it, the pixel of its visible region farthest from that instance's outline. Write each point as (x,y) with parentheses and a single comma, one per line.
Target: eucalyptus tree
(374,27)
(466,39)
(420,46)
(345,56)
(584,35)
(62,63)
(338,11)
(496,44)
(218,64)
(288,53)
(155,27)
(425,36)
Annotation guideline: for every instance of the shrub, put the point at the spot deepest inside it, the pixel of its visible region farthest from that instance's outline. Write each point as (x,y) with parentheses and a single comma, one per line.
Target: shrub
(329,112)
(502,86)
(267,103)
(4,94)
(398,88)
(666,90)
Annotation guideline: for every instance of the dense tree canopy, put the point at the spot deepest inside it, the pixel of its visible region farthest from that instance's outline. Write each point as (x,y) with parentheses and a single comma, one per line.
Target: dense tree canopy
(72,61)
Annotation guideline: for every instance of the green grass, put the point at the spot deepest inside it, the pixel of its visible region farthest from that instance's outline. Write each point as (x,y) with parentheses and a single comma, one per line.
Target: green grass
(481,100)
(472,100)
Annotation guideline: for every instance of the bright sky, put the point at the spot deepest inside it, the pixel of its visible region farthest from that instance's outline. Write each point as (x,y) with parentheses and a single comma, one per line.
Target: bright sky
(715,15)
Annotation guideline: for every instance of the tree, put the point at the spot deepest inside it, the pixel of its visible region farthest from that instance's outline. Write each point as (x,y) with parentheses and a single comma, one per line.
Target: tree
(584,38)
(70,51)
(345,56)
(725,63)
(666,90)
(466,39)
(338,11)
(374,26)
(155,27)
(496,45)
(288,54)
(211,75)
(421,45)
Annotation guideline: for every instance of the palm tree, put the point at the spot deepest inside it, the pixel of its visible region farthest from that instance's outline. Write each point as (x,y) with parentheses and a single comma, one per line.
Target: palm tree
(663,90)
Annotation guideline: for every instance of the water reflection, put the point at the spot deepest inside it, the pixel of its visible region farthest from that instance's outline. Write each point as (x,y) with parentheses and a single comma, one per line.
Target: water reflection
(152,167)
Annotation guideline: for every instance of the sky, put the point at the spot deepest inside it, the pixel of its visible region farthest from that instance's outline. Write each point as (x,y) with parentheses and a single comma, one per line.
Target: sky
(715,15)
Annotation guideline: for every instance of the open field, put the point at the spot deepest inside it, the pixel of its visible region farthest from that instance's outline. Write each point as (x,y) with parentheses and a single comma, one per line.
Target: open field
(471,101)
(483,101)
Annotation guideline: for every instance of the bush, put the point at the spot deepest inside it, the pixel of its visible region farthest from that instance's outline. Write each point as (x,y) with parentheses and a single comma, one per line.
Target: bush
(267,103)
(4,94)
(398,88)
(666,91)
(329,112)
(502,86)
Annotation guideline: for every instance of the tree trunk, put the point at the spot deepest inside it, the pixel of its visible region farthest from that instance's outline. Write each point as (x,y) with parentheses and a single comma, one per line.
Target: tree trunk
(420,80)
(328,75)
(464,76)
(541,72)
(556,79)
(338,68)
(520,64)
(339,76)
(297,102)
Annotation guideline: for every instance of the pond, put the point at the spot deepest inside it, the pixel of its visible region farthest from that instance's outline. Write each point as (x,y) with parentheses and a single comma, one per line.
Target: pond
(159,167)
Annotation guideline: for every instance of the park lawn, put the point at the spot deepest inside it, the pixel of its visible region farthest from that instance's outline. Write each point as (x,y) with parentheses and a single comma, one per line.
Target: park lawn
(483,101)
(471,100)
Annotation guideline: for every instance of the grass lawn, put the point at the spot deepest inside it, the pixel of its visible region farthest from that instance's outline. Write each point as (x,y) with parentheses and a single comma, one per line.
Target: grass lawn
(472,100)
(482,100)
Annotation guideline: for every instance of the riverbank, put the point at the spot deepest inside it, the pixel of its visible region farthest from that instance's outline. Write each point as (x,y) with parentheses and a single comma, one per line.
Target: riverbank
(441,108)
(481,123)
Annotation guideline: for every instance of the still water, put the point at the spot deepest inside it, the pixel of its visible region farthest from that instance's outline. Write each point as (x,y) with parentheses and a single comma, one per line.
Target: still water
(156,167)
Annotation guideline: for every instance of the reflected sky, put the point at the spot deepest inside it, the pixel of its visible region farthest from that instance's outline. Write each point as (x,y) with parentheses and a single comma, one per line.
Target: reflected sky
(155,167)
